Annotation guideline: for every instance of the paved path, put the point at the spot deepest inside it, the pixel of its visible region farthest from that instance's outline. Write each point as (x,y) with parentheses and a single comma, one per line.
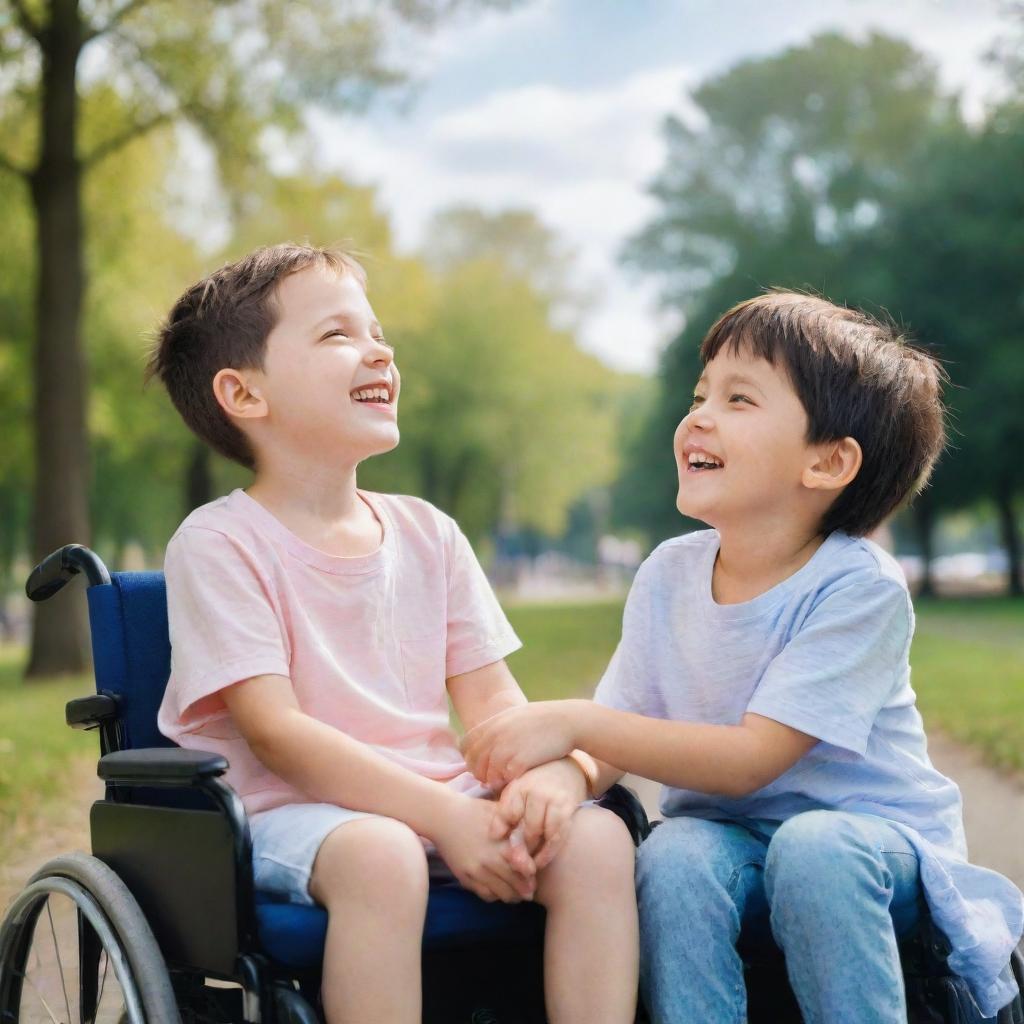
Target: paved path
(993,806)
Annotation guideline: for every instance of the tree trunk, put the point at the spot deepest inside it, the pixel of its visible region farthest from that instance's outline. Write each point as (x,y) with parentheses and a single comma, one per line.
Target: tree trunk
(60,636)
(1010,533)
(198,482)
(924,526)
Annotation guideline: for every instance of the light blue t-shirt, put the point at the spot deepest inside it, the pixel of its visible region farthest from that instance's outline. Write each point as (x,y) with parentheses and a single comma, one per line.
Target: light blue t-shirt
(825,651)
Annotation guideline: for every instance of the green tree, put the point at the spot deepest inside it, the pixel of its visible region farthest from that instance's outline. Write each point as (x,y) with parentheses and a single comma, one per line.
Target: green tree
(505,422)
(951,246)
(229,69)
(792,158)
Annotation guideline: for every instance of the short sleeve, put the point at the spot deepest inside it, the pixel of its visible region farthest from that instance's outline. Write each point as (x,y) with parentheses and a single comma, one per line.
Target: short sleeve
(628,683)
(842,666)
(224,626)
(478,631)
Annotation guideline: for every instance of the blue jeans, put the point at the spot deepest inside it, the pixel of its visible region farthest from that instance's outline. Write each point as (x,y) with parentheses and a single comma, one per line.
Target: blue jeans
(833,890)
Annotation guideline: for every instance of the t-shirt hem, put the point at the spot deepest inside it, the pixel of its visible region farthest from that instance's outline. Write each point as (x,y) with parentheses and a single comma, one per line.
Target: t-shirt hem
(215,681)
(479,657)
(797,718)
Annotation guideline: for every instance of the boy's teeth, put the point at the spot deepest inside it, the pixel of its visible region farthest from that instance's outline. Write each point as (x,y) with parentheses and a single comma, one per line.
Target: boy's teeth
(702,458)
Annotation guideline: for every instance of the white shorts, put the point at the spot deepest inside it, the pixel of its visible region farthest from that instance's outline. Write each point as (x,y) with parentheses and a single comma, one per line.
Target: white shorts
(286,840)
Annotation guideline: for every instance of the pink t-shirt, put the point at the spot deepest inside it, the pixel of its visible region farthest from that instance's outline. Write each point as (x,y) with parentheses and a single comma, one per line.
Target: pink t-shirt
(367,642)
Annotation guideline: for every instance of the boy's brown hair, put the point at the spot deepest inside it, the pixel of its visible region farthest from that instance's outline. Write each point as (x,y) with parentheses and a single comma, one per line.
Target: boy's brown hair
(223,321)
(855,377)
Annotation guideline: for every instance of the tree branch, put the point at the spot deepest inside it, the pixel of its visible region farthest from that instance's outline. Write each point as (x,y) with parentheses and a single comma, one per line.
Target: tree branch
(111,145)
(9,165)
(28,26)
(114,20)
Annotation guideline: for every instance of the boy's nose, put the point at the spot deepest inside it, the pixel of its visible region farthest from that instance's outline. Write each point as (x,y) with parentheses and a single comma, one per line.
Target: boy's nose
(379,355)
(698,419)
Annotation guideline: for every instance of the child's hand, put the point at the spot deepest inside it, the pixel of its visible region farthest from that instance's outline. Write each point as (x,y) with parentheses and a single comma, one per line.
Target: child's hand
(500,749)
(479,860)
(535,810)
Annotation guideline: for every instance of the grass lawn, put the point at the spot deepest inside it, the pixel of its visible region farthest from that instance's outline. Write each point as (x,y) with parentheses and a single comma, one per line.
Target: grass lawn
(968,670)
(565,646)
(37,750)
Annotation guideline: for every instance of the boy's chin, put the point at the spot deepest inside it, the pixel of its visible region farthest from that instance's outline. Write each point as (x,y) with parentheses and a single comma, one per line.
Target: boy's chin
(385,443)
(691,511)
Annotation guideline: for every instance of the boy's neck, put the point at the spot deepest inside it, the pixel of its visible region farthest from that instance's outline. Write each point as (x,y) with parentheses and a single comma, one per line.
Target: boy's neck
(750,563)
(324,510)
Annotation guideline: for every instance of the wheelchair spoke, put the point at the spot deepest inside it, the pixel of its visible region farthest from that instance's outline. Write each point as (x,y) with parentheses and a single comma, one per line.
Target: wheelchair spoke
(39,996)
(60,965)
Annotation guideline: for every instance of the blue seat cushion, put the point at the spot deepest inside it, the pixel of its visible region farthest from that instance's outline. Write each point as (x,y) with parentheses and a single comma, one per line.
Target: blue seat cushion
(293,935)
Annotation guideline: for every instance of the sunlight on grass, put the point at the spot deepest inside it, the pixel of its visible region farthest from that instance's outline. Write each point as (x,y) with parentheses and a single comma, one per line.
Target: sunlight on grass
(37,750)
(968,671)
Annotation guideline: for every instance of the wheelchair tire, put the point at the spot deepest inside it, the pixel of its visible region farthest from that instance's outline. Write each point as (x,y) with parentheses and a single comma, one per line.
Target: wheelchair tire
(97,961)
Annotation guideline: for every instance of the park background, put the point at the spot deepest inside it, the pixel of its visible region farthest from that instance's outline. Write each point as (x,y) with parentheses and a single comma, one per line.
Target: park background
(553,199)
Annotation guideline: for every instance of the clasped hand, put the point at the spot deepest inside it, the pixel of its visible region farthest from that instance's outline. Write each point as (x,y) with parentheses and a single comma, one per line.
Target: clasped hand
(519,753)
(500,749)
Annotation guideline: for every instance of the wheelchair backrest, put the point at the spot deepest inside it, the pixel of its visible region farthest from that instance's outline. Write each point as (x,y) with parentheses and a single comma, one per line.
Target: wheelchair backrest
(132,651)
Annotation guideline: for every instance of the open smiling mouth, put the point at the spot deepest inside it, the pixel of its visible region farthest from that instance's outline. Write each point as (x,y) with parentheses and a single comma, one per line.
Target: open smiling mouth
(377,395)
(699,462)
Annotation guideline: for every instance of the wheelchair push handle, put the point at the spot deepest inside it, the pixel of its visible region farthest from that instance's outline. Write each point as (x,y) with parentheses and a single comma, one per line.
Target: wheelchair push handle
(58,567)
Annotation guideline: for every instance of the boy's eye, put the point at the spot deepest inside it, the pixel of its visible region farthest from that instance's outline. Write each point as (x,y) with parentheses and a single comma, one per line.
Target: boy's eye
(381,340)
(697,399)
(738,398)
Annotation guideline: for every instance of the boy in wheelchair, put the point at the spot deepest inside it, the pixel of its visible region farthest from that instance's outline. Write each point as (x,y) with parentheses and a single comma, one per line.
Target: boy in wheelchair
(317,634)
(763,677)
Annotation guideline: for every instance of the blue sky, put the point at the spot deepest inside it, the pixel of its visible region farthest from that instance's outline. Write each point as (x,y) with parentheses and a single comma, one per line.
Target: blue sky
(556,106)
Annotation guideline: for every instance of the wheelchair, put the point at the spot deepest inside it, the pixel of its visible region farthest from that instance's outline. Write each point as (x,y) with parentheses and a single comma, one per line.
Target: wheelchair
(161,924)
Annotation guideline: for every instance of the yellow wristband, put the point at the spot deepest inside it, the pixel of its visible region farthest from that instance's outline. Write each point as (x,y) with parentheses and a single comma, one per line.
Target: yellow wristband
(588,766)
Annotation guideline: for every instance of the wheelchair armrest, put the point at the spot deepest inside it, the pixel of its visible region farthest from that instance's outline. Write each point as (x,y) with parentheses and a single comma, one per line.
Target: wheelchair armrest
(625,803)
(160,766)
(92,711)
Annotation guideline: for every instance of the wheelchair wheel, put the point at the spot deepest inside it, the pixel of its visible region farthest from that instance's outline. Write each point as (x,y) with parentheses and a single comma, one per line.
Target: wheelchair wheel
(75,948)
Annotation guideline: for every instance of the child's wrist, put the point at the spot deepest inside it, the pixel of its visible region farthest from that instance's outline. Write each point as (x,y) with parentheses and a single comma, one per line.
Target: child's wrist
(441,812)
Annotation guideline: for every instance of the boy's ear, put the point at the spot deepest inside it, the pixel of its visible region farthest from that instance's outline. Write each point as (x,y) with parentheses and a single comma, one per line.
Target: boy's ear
(837,463)
(237,395)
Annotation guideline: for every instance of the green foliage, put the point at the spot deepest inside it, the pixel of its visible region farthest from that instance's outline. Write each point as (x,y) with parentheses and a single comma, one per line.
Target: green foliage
(956,233)
(504,419)
(840,167)
(16,263)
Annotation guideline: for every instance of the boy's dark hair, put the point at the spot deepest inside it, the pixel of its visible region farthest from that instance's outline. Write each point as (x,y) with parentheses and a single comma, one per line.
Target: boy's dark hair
(223,321)
(855,377)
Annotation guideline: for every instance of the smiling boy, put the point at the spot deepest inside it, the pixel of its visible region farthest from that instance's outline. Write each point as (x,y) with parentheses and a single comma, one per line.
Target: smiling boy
(317,633)
(763,677)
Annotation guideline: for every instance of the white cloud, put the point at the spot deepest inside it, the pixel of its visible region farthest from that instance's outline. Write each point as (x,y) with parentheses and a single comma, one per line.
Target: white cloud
(583,156)
(580,158)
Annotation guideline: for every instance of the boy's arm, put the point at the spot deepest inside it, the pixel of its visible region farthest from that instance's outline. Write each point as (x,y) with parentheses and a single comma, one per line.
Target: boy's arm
(326,764)
(731,760)
(486,692)
(483,693)
(332,767)
(542,801)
